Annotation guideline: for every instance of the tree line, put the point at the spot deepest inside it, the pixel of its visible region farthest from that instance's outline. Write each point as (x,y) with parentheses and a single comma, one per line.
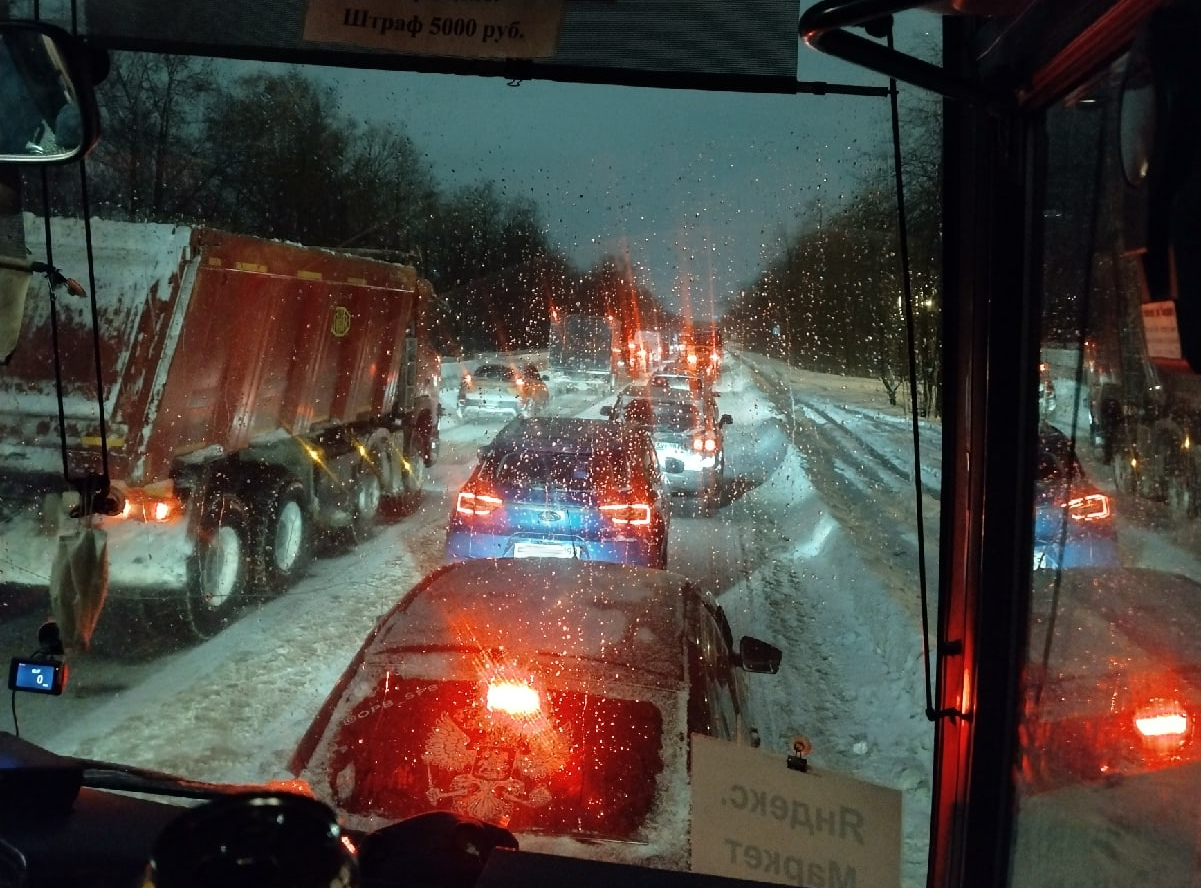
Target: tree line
(271,155)
(834,300)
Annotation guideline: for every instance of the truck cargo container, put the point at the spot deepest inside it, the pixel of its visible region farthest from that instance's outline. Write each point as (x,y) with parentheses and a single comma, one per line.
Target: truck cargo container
(584,350)
(333,414)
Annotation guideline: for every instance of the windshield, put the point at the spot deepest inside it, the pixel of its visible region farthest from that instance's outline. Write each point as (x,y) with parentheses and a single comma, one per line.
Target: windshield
(280,253)
(1108,762)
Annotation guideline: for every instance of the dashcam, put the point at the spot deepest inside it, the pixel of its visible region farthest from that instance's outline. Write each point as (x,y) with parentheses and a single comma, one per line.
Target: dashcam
(38,676)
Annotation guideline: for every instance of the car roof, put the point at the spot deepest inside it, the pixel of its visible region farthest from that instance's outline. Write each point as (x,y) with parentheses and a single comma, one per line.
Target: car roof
(621,622)
(557,433)
(640,391)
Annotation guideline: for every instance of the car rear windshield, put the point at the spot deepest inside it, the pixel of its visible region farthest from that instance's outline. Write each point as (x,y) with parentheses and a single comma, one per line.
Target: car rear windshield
(676,416)
(490,372)
(581,471)
(583,764)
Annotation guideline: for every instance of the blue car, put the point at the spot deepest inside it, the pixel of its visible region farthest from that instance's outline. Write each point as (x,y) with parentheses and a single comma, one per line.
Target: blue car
(559,487)
(1073,518)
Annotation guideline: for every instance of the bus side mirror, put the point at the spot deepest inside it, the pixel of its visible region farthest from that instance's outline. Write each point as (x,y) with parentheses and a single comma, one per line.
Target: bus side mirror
(46,98)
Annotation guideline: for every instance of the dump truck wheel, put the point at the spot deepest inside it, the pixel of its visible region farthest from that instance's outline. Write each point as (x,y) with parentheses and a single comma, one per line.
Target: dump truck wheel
(1126,475)
(427,440)
(368,497)
(283,544)
(415,474)
(219,572)
(1181,491)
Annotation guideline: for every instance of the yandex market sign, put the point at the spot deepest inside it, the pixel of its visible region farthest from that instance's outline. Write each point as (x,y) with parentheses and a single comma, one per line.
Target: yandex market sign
(755,819)
(488,29)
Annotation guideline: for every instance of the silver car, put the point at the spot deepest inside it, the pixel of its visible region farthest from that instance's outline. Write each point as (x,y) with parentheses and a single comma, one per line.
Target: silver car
(688,435)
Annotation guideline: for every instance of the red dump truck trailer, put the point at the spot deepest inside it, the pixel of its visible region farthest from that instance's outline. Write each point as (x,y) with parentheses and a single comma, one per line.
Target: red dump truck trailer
(261,399)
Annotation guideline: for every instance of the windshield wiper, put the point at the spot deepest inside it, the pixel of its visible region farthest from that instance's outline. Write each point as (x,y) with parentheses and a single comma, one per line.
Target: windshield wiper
(131,778)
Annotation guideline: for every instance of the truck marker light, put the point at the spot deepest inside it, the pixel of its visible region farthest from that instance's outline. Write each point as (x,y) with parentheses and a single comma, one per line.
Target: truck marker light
(140,506)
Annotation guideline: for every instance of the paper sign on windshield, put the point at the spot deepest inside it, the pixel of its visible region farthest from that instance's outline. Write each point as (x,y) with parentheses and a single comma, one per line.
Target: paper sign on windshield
(754,819)
(495,29)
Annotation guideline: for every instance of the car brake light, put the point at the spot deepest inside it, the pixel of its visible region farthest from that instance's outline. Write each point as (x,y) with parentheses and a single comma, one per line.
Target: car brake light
(472,503)
(1163,725)
(633,514)
(516,698)
(692,359)
(1093,507)
(704,444)
(519,382)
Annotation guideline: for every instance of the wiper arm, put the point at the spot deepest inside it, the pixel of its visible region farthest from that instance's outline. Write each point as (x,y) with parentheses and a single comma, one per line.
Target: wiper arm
(131,778)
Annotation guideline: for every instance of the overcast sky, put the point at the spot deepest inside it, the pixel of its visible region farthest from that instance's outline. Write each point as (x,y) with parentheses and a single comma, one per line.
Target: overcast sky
(700,188)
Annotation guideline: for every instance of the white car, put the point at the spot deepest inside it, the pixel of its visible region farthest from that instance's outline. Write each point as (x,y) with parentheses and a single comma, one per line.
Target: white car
(688,435)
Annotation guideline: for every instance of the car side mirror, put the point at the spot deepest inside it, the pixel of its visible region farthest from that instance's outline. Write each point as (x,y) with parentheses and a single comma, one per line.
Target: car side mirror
(756,655)
(46,98)
(726,419)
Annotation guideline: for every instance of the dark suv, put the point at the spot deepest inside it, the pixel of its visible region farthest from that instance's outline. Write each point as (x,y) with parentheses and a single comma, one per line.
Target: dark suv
(558,487)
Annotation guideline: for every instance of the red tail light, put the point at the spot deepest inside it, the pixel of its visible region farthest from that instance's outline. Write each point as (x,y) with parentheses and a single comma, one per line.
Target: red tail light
(472,503)
(1164,726)
(1093,507)
(628,514)
(704,444)
(519,382)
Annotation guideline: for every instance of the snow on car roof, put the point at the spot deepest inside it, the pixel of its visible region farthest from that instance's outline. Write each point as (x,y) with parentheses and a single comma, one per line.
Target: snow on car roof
(615,616)
(560,432)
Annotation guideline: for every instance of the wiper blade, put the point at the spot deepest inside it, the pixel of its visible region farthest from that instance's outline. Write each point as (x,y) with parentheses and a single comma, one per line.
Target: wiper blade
(131,778)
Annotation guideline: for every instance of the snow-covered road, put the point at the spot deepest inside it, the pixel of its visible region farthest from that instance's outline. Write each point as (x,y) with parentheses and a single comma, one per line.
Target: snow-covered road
(813,548)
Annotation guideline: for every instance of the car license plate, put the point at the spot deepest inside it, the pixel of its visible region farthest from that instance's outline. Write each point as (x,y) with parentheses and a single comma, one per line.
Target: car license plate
(531,549)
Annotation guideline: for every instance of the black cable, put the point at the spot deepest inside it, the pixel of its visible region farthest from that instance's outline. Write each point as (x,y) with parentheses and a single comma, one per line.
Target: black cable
(1085,307)
(87,229)
(16,726)
(54,347)
(911,337)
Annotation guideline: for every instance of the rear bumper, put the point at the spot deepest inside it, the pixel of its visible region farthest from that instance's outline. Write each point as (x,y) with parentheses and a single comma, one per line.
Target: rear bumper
(491,405)
(141,557)
(463,545)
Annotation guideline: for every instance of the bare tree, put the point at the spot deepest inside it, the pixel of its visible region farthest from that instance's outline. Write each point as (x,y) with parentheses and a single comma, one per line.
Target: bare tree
(145,167)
